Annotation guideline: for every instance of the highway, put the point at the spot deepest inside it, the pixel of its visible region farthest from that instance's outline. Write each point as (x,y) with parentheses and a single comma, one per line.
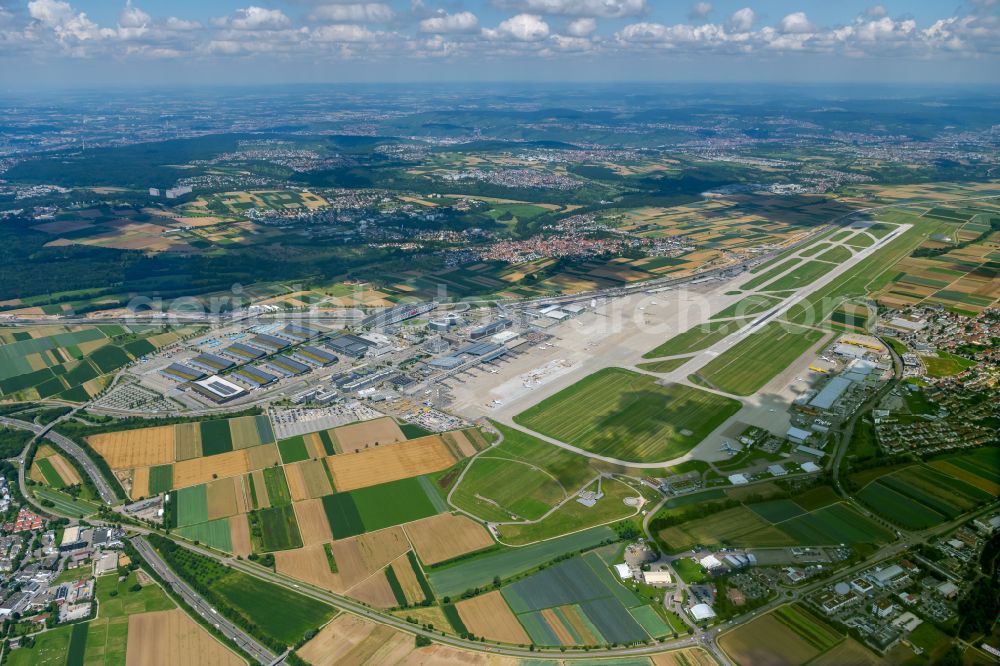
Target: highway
(69,447)
(203,608)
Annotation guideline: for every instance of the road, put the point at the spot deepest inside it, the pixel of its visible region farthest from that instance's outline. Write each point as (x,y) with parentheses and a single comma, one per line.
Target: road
(203,608)
(69,447)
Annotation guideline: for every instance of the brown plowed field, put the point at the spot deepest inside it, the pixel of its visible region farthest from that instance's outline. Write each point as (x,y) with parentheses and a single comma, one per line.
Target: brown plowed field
(374,591)
(313,525)
(135,448)
(389,463)
(368,433)
(222,498)
(239,533)
(445,536)
(489,615)
(167,638)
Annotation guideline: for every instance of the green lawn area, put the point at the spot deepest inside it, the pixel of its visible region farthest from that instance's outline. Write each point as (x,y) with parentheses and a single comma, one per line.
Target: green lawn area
(689,570)
(753,304)
(628,416)
(573,516)
(769,275)
(837,255)
(946,364)
(65,504)
(697,338)
(747,366)
(495,488)
(667,365)
(801,276)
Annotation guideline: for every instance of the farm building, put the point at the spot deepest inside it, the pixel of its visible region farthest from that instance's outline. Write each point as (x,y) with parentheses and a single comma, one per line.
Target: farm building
(810,467)
(777,470)
(738,479)
(657,578)
(623,571)
(217,389)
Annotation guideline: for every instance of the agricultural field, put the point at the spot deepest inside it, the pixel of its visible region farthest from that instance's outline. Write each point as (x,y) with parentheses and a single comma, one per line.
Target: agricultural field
(628,416)
(453,579)
(747,366)
(782,522)
(788,635)
(70,363)
(579,602)
(921,496)
(376,507)
(523,476)
(389,462)
(446,536)
(51,468)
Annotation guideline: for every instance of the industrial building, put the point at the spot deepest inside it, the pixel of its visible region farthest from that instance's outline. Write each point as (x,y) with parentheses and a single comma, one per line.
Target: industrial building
(397,314)
(217,389)
(254,377)
(242,352)
(211,363)
(314,356)
(350,345)
(182,373)
(268,343)
(490,329)
(285,366)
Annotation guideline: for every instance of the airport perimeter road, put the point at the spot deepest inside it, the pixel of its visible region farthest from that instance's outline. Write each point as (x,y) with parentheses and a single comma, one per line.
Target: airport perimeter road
(69,447)
(203,608)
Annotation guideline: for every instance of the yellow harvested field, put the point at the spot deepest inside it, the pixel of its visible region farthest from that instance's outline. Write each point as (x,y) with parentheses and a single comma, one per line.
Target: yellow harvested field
(135,448)
(222,498)
(296,484)
(243,431)
(167,638)
(350,641)
(488,615)
(140,483)
(314,445)
(389,463)
(361,556)
(460,442)
(66,471)
(239,534)
(313,525)
(445,536)
(259,457)
(36,475)
(187,441)
(263,501)
(309,565)
(367,433)
(407,580)
(243,500)
(754,643)
(307,480)
(202,470)
(558,628)
(374,591)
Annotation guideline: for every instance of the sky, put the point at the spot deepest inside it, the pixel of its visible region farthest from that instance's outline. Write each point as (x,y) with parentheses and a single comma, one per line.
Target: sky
(94,43)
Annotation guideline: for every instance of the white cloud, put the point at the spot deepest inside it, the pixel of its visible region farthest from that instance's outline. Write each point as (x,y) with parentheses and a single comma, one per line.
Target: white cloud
(581,27)
(876,11)
(254,18)
(373,12)
(66,24)
(133,17)
(796,23)
(567,44)
(595,8)
(700,11)
(520,28)
(742,20)
(345,32)
(450,23)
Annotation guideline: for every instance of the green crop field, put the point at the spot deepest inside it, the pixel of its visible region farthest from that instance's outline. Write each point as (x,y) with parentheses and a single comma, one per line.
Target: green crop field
(833,524)
(495,488)
(257,600)
(747,366)
(214,533)
(753,304)
(161,479)
(277,486)
(278,528)
(376,507)
(192,505)
(293,450)
(807,627)
(584,581)
(215,437)
(65,504)
(775,511)
(689,570)
(651,622)
(626,415)
(697,338)
(800,277)
(49,473)
(455,578)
